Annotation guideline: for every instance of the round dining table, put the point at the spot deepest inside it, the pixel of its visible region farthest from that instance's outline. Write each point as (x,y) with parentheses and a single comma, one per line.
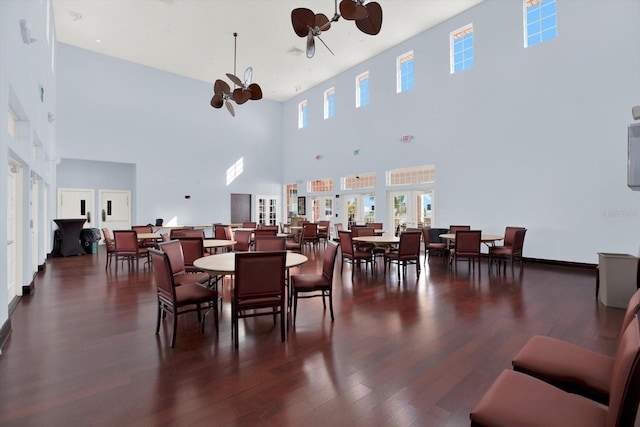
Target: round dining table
(217,243)
(378,240)
(484,238)
(225,263)
(151,236)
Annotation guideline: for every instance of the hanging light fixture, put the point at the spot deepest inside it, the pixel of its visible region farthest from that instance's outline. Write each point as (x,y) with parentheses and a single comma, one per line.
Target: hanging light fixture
(242,91)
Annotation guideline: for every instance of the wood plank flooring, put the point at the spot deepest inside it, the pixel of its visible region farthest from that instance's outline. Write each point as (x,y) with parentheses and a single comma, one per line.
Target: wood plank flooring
(412,353)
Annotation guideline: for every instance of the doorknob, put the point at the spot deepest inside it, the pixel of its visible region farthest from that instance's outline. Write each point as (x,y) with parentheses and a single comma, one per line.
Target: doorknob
(88,216)
(104,215)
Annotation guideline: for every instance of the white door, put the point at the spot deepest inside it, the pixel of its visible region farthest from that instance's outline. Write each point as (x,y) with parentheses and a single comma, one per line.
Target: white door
(46,232)
(267,210)
(35,194)
(76,203)
(14,225)
(115,209)
(360,208)
(411,208)
(322,208)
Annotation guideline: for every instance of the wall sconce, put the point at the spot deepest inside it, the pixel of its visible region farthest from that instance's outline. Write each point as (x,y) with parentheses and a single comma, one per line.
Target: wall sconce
(25,32)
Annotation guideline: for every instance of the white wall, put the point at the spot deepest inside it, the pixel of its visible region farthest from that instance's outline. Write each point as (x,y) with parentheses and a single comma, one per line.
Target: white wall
(118,111)
(23,69)
(533,137)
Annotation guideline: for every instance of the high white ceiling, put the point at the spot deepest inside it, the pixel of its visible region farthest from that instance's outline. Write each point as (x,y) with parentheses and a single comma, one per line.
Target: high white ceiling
(194,38)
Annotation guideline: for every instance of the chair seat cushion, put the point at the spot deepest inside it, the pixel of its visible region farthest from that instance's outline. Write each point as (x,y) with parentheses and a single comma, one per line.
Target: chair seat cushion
(500,250)
(309,282)
(565,365)
(436,246)
(361,254)
(187,278)
(191,293)
(516,399)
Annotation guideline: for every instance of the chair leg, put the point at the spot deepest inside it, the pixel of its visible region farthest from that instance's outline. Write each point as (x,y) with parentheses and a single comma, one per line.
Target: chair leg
(330,304)
(282,320)
(175,326)
(295,307)
(159,315)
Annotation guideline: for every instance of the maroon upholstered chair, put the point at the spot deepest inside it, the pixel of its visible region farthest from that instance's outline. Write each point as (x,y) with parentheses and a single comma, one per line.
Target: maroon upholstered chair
(502,254)
(145,243)
(192,249)
(127,248)
(165,237)
(259,284)
(316,285)
(109,245)
(350,254)
(193,233)
(467,246)
(309,234)
(436,247)
(408,253)
(178,300)
(339,227)
(174,233)
(569,367)
(517,399)
(249,225)
(243,241)
(173,249)
(270,243)
(265,232)
(376,225)
(325,231)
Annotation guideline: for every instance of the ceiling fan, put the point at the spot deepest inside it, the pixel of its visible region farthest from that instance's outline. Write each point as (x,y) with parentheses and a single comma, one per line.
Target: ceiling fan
(366,14)
(242,92)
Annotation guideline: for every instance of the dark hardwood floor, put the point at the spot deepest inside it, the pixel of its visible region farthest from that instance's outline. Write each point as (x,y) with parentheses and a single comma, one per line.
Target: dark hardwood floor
(413,353)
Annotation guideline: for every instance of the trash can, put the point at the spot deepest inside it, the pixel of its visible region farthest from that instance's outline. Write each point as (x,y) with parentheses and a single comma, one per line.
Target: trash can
(618,278)
(89,238)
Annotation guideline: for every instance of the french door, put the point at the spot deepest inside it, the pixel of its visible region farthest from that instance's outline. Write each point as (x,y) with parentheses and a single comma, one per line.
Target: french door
(115,209)
(76,203)
(411,208)
(321,208)
(360,208)
(267,210)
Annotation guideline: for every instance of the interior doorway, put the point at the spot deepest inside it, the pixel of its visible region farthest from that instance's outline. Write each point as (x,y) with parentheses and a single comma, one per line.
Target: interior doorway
(14,227)
(77,203)
(411,208)
(360,208)
(115,209)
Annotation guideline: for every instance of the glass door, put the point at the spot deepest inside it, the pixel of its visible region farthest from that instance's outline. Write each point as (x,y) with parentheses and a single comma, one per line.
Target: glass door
(411,208)
(322,208)
(360,208)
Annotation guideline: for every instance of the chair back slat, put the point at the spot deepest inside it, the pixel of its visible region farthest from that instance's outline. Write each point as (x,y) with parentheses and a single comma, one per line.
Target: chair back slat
(173,249)
(468,242)
(259,274)
(625,379)
(409,243)
(270,243)
(329,260)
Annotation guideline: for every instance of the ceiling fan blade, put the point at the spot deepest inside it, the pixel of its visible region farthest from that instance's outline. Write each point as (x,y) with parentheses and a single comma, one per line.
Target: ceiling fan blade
(248,73)
(216,101)
(230,108)
(373,23)
(256,91)
(220,86)
(311,45)
(322,22)
(301,19)
(325,45)
(234,79)
(352,11)
(241,96)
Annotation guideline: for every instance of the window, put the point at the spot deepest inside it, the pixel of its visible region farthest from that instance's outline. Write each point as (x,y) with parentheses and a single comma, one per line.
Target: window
(320,185)
(329,103)
(362,89)
(404,68)
(354,182)
(540,21)
(408,176)
(461,42)
(13,125)
(302,114)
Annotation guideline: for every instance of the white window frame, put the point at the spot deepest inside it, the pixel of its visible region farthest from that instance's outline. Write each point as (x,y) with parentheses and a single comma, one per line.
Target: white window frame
(359,79)
(466,30)
(303,114)
(327,94)
(399,61)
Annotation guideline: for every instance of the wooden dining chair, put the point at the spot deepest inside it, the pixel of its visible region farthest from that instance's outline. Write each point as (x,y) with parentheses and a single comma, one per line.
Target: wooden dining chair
(243,241)
(259,285)
(517,399)
(178,300)
(109,245)
(269,243)
(501,254)
(173,249)
(316,285)
(128,249)
(467,245)
(350,254)
(432,247)
(408,253)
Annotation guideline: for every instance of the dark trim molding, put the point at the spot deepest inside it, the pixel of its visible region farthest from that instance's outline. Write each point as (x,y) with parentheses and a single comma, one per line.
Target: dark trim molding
(5,331)
(561,263)
(30,289)
(42,267)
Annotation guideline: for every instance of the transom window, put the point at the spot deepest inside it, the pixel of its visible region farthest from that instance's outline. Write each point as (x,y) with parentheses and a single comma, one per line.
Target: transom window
(302,114)
(461,42)
(541,23)
(415,175)
(404,68)
(354,182)
(362,89)
(329,102)
(320,185)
